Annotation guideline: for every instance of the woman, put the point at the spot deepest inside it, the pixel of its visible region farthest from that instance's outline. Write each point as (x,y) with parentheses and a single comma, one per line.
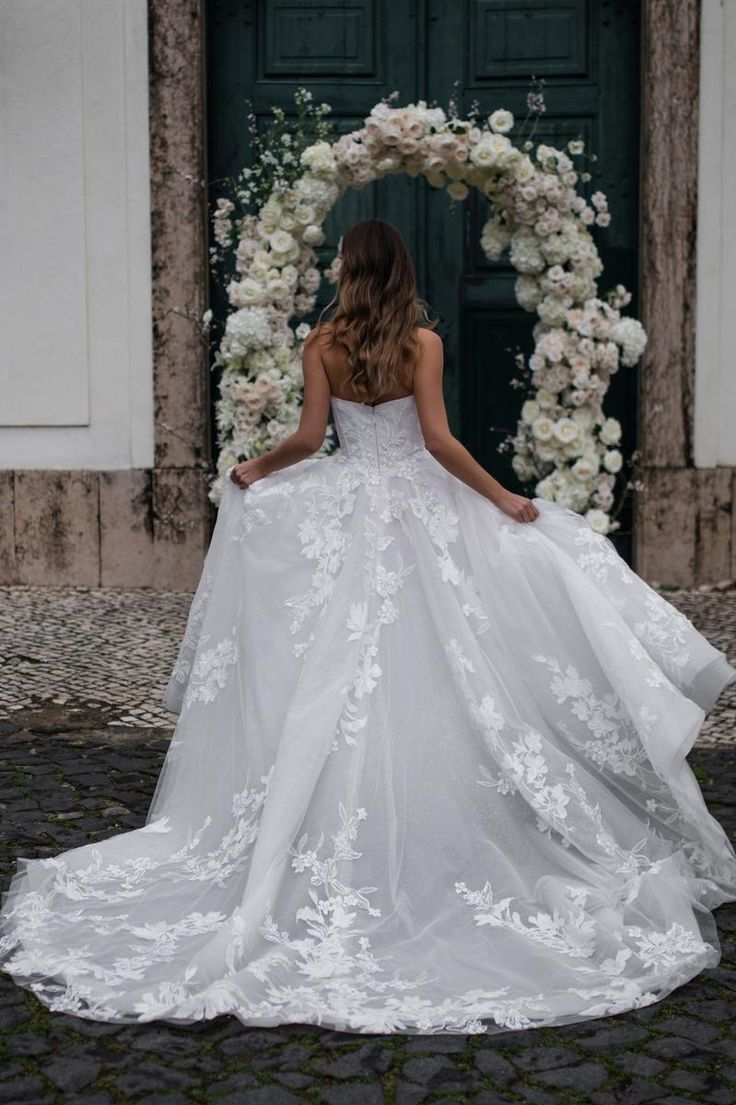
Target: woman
(429,771)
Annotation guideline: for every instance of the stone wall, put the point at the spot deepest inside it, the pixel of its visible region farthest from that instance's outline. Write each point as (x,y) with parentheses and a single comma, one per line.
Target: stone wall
(684,522)
(142,526)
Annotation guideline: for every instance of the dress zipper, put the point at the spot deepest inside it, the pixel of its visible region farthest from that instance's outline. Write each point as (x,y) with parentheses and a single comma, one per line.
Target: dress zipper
(375,434)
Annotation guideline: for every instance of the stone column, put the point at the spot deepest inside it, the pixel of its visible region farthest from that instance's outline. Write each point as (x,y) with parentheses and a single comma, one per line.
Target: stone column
(181,511)
(682,530)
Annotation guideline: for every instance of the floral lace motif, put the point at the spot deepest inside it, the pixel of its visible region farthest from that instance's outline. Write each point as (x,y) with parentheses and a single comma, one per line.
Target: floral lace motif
(599,556)
(665,633)
(210,670)
(188,646)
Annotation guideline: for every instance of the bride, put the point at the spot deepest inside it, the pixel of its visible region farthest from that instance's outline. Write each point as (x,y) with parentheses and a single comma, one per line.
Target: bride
(429,769)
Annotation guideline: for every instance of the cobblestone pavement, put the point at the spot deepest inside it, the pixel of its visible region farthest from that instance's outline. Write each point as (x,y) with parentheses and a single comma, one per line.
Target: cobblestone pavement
(102,652)
(82,769)
(105,655)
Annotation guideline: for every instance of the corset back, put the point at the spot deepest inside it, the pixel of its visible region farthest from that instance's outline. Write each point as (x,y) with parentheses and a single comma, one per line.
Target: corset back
(380,439)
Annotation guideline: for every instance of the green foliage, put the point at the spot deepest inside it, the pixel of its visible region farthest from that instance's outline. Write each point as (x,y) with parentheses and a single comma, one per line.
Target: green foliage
(276,150)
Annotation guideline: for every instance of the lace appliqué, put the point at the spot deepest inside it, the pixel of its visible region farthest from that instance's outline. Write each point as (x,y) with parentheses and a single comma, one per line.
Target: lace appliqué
(188,647)
(210,670)
(665,634)
(599,556)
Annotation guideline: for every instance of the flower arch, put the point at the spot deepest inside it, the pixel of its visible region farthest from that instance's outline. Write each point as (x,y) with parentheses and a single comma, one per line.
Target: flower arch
(564,448)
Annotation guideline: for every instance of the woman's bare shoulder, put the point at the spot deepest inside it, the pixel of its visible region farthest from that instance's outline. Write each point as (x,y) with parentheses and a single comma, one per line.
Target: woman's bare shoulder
(429,339)
(319,333)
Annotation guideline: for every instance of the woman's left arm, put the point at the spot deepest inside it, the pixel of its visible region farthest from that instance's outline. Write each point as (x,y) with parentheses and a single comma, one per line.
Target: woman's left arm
(312,423)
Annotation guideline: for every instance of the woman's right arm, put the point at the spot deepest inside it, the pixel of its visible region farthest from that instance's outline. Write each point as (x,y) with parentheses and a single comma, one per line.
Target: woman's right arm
(445,448)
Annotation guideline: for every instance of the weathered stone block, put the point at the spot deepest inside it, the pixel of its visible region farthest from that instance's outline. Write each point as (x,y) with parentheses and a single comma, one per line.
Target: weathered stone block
(664,538)
(182,527)
(8,565)
(57,532)
(126,528)
(713,523)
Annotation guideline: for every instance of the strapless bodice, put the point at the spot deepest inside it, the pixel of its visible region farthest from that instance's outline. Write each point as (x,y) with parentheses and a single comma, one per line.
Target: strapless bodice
(381,439)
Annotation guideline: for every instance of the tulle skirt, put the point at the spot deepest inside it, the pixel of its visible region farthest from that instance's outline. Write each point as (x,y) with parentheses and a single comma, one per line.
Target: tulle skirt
(428,776)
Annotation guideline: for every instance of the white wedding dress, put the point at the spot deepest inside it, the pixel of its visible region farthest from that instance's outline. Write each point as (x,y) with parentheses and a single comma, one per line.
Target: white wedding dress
(428,774)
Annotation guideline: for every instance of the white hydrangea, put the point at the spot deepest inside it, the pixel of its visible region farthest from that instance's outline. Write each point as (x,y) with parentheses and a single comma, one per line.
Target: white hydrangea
(247,329)
(319,159)
(528,291)
(629,334)
(495,238)
(247,292)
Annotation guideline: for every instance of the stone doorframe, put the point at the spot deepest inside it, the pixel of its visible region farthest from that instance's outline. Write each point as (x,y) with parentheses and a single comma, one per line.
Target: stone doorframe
(683,519)
(182,514)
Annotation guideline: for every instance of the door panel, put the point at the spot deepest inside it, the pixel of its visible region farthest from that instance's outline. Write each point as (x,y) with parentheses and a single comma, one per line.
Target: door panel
(354,52)
(587,51)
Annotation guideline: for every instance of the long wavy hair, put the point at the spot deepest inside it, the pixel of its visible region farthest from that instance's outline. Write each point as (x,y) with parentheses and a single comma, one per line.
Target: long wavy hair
(376,309)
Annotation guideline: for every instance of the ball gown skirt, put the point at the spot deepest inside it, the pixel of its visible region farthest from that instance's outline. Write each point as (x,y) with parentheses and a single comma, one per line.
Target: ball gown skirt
(428,774)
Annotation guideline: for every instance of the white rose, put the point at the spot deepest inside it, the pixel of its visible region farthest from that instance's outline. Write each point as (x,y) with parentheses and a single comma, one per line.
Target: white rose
(457,190)
(304,214)
(566,431)
(523,467)
(313,235)
(302,330)
(246,293)
(543,428)
(612,460)
(311,280)
(546,453)
(501,121)
(585,467)
(281,241)
(610,432)
(525,170)
(483,154)
(500,146)
(278,289)
(597,520)
(529,411)
(546,489)
(583,416)
(603,499)
(546,399)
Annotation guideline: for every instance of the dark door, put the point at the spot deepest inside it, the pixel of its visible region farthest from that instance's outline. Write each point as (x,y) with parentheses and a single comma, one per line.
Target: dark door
(354,52)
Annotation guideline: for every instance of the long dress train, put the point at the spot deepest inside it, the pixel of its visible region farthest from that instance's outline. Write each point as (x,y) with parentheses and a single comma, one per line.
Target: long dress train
(428,774)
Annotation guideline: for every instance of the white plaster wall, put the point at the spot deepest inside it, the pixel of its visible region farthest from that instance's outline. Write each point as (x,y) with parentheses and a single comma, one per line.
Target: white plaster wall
(76,367)
(715,362)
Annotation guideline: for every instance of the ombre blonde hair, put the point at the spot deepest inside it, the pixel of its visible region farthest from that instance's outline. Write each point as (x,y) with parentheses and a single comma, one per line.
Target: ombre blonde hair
(376,310)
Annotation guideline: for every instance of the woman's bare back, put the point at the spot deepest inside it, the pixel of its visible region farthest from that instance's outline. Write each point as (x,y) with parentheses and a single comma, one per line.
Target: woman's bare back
(334,361)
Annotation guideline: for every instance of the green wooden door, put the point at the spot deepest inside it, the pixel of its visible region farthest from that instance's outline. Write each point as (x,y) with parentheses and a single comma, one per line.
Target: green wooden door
(354,52)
